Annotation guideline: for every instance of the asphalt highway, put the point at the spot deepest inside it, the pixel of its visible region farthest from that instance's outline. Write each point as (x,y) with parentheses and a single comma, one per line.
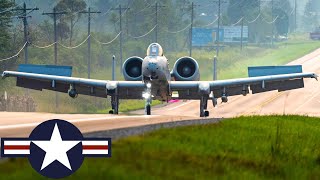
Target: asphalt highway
(305,101)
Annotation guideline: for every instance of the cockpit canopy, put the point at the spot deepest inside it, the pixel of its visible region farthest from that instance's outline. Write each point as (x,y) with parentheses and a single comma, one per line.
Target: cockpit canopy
(154,49)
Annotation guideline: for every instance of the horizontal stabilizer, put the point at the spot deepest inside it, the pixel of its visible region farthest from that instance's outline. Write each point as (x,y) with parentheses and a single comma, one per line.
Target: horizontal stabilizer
(273,70)
(46,69)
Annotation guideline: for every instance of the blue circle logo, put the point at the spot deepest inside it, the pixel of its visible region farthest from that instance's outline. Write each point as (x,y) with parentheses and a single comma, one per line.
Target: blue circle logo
(56,149)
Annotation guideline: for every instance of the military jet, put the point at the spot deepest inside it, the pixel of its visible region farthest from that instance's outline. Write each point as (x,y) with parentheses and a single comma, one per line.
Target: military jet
(150,78)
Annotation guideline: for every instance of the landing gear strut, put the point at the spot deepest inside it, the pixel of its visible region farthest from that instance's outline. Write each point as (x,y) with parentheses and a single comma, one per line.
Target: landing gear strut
(114,105)
(148,109)
(148,98)
(203,107)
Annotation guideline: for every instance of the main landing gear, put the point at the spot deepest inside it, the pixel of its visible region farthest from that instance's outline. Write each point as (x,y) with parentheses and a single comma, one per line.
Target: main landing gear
(114,105)
(203,107)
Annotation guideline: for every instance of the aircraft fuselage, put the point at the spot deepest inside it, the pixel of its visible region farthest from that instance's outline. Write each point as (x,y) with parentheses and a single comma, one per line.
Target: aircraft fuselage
(155,70)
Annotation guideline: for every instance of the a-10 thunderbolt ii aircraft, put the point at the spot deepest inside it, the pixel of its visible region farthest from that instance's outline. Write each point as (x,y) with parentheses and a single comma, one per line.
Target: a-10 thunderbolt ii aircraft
(150,78)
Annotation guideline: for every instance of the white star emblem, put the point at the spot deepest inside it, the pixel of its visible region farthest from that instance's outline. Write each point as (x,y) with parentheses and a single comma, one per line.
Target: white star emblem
(56,149)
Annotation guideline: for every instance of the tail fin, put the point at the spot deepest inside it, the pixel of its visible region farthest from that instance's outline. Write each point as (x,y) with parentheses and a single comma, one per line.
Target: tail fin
(46,69)
(273,70)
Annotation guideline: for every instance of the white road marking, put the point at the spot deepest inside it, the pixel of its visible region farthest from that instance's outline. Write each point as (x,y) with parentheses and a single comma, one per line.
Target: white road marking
(180,105)
(14,126)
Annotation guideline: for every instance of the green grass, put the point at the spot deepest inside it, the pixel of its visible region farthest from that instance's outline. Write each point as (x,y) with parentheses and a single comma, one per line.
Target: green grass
(267,147)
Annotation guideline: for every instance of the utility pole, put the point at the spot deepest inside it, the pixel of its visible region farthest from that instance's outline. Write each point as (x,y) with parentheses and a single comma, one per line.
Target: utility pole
(89,12)
(272,24)
(25,28)
(121,34)
(156,23)
(191,26)
(218,30)
(242,34)
(215,68)
(295,15)
(113,68)
(54,13)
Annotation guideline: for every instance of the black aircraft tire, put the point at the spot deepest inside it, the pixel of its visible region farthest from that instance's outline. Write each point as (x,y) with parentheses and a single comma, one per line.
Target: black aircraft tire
(148,109)
(206,113)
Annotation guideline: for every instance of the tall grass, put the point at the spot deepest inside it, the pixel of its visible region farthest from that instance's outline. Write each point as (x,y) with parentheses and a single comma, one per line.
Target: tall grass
(267,147)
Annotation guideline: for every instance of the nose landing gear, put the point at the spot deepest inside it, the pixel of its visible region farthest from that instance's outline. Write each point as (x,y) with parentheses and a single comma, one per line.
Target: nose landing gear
(148,99)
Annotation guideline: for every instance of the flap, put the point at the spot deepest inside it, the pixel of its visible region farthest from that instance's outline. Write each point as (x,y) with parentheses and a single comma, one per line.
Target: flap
(46,69)
(273,70)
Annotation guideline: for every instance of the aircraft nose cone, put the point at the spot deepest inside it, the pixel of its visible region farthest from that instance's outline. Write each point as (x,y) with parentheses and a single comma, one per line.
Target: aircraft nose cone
(153,67)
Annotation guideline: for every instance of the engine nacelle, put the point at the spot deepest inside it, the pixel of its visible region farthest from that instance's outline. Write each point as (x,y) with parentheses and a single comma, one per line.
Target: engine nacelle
(132,69)
(186,69)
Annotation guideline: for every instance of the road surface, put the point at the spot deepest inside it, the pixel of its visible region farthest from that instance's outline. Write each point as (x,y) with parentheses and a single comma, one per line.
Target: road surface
(304,101)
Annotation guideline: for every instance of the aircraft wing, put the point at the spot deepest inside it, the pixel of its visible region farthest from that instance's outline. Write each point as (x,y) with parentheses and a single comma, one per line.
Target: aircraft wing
(57,78)
(261,79)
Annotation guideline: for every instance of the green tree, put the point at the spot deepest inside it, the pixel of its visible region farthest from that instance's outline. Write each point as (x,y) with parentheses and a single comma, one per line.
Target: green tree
(5,24)
(73,7)
(311,15)
(282,23)
(237,10)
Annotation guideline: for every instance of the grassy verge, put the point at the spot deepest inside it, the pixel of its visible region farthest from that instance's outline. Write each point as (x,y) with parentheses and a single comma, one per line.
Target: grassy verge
(277,147)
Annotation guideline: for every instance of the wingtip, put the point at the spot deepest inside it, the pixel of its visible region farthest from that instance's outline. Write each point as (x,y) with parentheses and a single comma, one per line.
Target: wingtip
(315,76)
(4,75)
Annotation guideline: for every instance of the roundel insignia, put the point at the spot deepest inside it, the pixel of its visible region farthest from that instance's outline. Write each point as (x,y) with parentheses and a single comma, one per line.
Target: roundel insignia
(56,148)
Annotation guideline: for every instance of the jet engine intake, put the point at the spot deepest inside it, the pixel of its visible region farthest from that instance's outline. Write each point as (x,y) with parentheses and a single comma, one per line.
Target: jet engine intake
(186,69)
(132,69)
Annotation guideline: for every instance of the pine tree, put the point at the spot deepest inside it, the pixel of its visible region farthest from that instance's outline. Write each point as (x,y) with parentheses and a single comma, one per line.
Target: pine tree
(5,24)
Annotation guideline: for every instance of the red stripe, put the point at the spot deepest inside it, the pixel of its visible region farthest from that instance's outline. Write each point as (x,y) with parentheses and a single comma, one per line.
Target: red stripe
(16,147)
(95,147)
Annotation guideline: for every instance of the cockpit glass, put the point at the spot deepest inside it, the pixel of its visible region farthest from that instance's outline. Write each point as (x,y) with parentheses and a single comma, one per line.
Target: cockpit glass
(154,50)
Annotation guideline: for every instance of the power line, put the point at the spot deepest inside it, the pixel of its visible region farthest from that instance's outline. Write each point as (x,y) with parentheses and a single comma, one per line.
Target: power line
(215,20)
(254,19)
(106,43)
(237,21)
(137,37)
(10,9)
(17,54)
(74,47)
(43,47)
